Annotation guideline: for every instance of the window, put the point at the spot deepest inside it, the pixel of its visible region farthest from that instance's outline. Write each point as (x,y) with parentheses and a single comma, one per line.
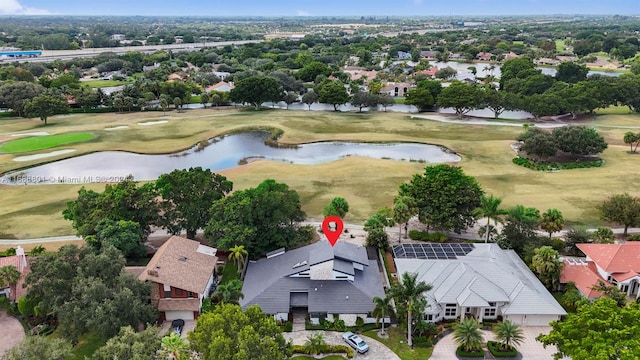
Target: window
(428,317)
(190,294)
(167,294)
(490,311)
(450,310)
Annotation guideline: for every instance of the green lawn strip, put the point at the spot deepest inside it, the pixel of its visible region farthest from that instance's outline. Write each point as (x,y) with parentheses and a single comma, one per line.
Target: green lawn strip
(229,273)
(398,344)
(104,83)
(87,345)
(44,142)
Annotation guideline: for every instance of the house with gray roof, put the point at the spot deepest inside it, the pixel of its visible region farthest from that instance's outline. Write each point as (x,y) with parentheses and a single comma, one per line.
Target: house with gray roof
(319,279)
(477,280)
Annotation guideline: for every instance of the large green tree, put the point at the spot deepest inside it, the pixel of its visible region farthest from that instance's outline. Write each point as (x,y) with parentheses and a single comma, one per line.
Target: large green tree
(409,295)
(122,201)
(228,333)
(262,219)
(520,227)
(460,96)
(420,98)
(547,265)
(43,106)
(124,235)
(571,72)
(622,209)
(256,90)
(334,93)
(579,140)
(446,198)
(14,95)
(129,344)
(338,207)
(311,70)
(187,196)
(40,348)
(597,331)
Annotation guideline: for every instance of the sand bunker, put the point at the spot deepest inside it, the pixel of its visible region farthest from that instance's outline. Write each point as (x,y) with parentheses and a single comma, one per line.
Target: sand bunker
(37,133)
(117,128)
(43,155)
(148,123)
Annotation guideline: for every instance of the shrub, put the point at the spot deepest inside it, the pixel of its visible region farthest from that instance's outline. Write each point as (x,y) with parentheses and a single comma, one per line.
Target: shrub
(496,350)
(327,349)
(359,321)
(554,166)
(470,354)
(421,235)
(635,237)
(288,327)
(339,325)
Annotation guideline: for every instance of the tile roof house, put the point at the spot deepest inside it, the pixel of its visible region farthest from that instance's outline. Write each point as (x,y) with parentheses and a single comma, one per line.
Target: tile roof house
(318,279)
(221,86)
(480,281)
(21,263)
(484,56)
(428,55)
(182,272)
(613,264)
(396,89)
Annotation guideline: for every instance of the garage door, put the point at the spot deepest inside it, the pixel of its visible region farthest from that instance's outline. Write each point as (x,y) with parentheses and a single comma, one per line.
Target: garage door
(184,315)
(532,320)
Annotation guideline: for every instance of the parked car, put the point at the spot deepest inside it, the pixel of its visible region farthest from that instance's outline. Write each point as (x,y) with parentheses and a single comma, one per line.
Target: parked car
(177,325)
(355,342)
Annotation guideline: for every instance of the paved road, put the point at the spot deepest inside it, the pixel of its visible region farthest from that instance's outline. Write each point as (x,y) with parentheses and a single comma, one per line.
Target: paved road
(377,350)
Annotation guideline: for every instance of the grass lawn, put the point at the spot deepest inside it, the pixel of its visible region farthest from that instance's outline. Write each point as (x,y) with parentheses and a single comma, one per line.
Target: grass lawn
(34,143)
(104,83)
(367,184)
(229,273)
(560,45)
(398,344)
(87,345)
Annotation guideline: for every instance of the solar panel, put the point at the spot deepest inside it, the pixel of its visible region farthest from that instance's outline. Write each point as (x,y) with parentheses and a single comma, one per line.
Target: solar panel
(431,251)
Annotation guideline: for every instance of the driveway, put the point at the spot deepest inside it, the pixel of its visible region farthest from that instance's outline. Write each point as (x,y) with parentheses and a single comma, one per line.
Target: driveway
(530,349)
(166,328)
(377,350)
(11,332)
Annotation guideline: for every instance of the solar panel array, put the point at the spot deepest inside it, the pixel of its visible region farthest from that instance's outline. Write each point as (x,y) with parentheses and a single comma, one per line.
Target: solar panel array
(431,251)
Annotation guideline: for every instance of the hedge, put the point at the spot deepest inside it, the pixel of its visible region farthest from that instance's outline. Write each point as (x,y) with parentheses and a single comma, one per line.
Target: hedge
(554,166)
(471,354)
(421,235)
(495,349)
(326,349)
(635,237)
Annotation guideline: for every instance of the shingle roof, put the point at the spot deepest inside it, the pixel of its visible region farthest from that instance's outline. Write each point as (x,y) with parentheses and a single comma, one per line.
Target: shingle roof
(181,263)
(192,304)
(486,274)
(268,282)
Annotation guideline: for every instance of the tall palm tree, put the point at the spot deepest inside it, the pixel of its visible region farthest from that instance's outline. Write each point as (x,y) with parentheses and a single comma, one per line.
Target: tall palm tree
(546,263)
(229,293)
(490,208)
(552,221)
(467,335)
(508,334)
(173,347)
(404,207)
(382,309)
(410,293)
(9,275)
(237,254)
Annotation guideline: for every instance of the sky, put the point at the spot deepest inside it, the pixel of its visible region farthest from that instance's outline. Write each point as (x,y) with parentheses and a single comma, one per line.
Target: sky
(317,7)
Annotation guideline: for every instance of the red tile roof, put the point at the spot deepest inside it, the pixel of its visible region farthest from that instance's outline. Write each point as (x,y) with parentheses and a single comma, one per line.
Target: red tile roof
(583,276)
(614,258)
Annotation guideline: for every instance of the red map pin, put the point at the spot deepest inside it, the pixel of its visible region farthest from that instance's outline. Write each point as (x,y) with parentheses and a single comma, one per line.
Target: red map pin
(331,234)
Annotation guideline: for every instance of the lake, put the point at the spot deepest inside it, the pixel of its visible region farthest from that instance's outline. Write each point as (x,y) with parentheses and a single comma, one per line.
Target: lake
(221,153)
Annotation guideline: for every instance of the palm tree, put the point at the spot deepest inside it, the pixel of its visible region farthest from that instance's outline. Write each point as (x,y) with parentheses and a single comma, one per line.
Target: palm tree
(382,309)
(173,347)
(552,221)
(508,334)
(229,293)
(237,254)
(468,336)
(315,343)
(410,293)
(9,275)
(546,263)
(490,208)
(403,209)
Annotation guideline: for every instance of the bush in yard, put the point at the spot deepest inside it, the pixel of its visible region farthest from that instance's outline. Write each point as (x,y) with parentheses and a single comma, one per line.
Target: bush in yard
(496,350)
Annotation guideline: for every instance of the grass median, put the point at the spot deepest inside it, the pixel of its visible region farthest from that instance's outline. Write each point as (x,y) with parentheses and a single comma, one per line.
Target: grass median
(34,143)
(368,184)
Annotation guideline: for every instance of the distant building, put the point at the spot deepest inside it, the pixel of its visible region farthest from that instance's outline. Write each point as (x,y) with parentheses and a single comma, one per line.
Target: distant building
(118,37)
(404,55)
(428,55)
(221,86)
(484,56)
(396,89)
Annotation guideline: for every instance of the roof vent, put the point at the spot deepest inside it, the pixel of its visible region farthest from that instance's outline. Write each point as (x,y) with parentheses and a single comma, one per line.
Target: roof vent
(152,273)
(302,263)
(182,258)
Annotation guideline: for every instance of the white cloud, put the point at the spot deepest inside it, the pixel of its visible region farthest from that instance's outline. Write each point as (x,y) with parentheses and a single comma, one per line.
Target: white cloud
(298,13)
(14,7)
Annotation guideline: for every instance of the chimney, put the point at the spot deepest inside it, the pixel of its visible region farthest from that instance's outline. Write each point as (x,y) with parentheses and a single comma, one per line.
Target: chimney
(22,258)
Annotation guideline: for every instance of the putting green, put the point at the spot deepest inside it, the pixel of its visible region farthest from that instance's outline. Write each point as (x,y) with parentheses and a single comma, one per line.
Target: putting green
(43,142)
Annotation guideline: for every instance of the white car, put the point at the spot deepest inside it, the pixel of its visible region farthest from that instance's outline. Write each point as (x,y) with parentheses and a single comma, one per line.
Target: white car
(355,342)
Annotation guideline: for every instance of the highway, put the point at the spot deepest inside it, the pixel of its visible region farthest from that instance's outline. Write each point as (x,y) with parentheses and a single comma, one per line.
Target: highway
(50,55)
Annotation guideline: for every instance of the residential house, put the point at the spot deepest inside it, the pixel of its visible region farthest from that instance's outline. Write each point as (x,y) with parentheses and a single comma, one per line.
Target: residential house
(221,86)
(396,89)
(317,279)
(151,67)
(21,263)
(428,55)
(118,37)
(612,264)
(547,61)
(182,272)
(455,56)
(602,63)
(221,74)
(564,58)
(176,77)
(429,72)
(511,55)
(477,280)
(358,72)
(484,56)
(404,55)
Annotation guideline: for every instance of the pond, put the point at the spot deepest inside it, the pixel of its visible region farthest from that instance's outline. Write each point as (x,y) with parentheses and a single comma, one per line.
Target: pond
(220,153)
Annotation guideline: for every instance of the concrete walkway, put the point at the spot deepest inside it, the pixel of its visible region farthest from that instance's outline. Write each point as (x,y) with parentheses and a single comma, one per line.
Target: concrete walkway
(11,332)
(530,349)
(377,350)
